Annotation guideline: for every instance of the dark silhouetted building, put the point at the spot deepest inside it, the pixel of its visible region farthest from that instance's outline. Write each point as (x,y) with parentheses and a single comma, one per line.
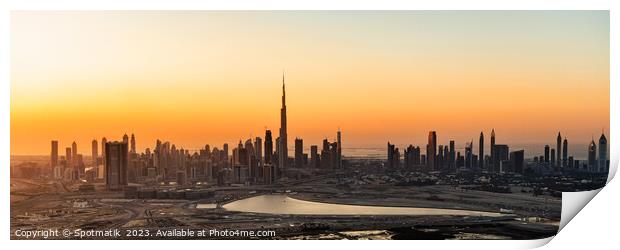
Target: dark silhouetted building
(133,144)
(314,156)
(602,153)
(94,157)
(552,160)
(431,151)
(412,157)
(390,155)
(439,158)
(339,141)
(452,157)
(68,158)
(54,155)
(492,148)
(299,153)
(126,139)
(116,165)
(74,154)
(103,142)
(592,163)
(268,147)
(565,153)
(282,146)
(501,155)
(517,161)
(558,151)
(469,155)
(481,151)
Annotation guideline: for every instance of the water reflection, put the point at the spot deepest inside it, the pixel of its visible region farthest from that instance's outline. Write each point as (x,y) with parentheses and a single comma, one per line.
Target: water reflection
(282,204)
(207,206)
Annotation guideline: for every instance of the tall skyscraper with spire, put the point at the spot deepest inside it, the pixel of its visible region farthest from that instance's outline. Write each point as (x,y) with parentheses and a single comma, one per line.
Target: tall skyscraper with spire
(282,146)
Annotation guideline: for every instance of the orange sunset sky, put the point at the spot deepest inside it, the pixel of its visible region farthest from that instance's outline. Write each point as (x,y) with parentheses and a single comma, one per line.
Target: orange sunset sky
(210,77)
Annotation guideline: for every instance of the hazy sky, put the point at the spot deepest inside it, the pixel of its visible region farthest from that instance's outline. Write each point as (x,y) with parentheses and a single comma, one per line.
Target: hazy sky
(197,77)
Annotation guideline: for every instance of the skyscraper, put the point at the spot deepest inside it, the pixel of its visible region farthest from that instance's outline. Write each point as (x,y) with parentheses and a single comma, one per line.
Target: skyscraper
(94,154)
(133,144)
(225,148)
(501,155)
(282,147)
(299,152)
(268,147)
(516,161)
(390,154)
(492,146)
(409,156)
(314,156)
(558,151)
(431,151)
(54,155)
(126,139)
(396,160)
(440,160)
(547,153)
(116,165)
(103,142)
(469,155)
(481,152)
(326,155)
(553,157)
(602,153)
(74,154)
(565,153)
(339,156)
(452,157)
(258,149)
(592,163)
(68,158)
(446,157)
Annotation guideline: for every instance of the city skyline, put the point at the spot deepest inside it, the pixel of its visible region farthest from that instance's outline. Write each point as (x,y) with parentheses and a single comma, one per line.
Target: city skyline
(578,150)
(185,88)
(283,125)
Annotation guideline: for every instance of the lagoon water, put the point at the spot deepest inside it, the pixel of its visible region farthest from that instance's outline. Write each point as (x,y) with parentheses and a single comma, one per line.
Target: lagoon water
(283,204)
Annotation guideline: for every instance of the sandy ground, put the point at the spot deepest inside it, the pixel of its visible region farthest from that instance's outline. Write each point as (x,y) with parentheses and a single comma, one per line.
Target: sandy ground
(54,205)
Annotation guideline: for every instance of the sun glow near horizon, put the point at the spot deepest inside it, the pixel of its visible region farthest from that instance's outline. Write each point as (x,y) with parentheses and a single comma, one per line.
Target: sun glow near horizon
(198,77)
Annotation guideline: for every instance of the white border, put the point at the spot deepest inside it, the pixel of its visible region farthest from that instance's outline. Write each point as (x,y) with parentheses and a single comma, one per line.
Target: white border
(585,231)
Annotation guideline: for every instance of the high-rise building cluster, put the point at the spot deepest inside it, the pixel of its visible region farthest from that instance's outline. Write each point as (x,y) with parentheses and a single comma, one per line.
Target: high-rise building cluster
(265,160)
(68,167)
(558,159)
(500,159)
(255,161)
